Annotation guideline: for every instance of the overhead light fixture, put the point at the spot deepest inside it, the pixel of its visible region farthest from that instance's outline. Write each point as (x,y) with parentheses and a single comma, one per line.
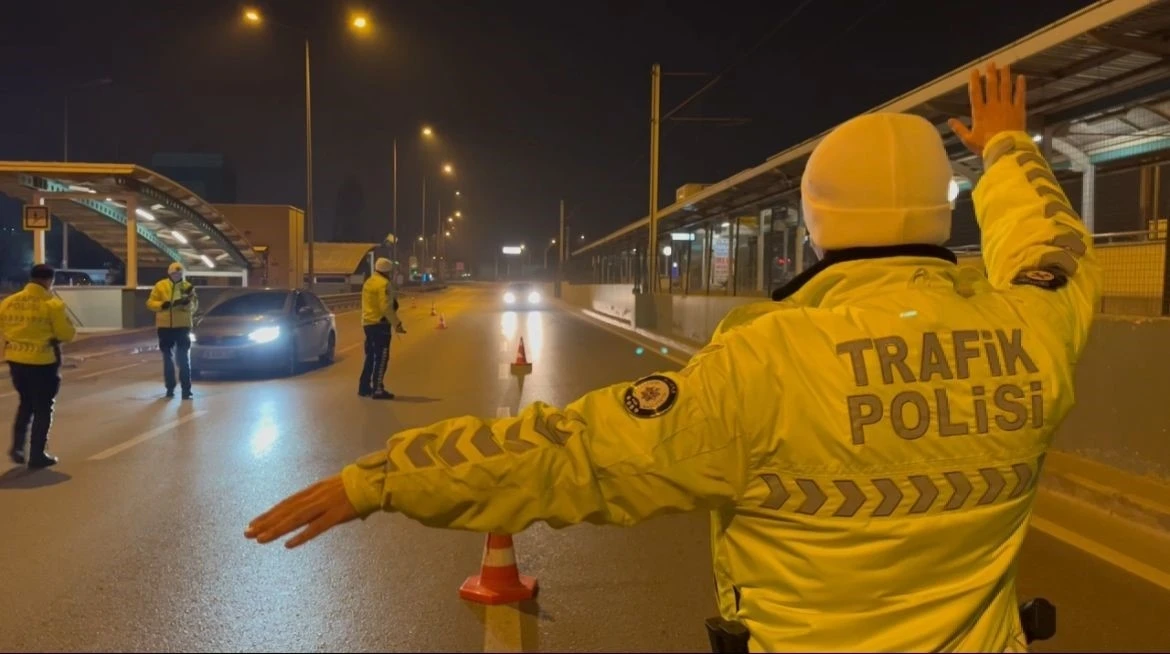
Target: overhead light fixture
(179,237)
(682,236)
(512,249)
(207,260)
(143,213)
(82,189)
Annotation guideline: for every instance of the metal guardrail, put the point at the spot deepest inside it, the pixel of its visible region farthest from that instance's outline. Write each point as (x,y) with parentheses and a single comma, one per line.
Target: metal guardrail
(338,301)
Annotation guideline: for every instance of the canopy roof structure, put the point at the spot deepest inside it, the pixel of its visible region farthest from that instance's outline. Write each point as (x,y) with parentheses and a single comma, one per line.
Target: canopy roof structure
(1098,92)
(337,258)
(173,223)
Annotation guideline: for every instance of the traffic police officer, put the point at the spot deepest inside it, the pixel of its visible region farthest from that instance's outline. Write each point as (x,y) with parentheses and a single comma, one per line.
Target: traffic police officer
(870,446)
(379,316)
(34,325)
(174,301)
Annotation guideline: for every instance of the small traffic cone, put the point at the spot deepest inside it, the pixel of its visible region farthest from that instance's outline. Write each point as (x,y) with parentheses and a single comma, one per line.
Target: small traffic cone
(499,580)
(432,308)
(521,366)
(442,322)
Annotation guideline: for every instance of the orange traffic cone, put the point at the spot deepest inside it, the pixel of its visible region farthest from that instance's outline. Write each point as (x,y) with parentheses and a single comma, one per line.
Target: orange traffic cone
(499,580)
(521,365)
(442,322)
(432,308)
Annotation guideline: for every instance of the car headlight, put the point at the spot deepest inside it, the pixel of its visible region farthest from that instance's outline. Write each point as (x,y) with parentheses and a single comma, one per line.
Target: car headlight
(264,335)
(509,297)
(533,298)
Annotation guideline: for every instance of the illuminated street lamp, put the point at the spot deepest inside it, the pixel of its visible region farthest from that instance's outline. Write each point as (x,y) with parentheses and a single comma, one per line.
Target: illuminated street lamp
(448,169)
(458,214)
(360,22)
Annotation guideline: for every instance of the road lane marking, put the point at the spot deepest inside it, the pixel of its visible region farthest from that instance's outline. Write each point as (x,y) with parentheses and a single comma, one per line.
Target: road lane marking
(1103,552)
(108,370)
(90,375)
(505,370)
(347,348)
(145,436)
(501,629)
(503,347)
(503,412)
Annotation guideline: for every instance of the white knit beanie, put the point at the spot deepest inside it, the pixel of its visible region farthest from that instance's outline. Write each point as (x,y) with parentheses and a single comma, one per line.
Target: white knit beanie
(383,265)
(877,180)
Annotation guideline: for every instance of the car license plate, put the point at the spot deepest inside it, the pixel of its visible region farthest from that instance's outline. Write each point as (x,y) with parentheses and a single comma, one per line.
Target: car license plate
(218,353)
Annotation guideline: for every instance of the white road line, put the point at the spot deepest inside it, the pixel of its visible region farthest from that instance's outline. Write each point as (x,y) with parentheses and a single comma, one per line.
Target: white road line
(503,346)
(89,375)
(503,412)
(1103,552)
(505,370)
(347,348)
(501,629)
(142,438)
(108,370)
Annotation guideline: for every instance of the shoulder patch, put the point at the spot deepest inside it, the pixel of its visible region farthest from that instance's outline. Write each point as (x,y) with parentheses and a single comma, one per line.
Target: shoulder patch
(651,396)
(1045,278)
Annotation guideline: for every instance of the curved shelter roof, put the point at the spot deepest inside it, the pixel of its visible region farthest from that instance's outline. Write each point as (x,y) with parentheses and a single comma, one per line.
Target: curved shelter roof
(337,258)
(1099,79)
(174,224)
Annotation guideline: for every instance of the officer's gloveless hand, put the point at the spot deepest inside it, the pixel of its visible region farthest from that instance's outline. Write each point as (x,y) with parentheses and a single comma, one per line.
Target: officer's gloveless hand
(322,506)
(183,302)
(400,329)
(994,109)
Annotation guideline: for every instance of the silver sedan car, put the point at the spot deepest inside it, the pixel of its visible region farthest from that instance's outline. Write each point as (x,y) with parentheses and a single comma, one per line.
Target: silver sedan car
(270,330)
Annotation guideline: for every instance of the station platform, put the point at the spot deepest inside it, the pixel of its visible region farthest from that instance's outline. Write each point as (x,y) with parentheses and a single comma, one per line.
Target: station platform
(135,541)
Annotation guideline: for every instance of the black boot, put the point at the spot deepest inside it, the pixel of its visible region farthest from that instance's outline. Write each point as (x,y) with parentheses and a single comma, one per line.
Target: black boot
(382,394)
(20,434)
(38,457)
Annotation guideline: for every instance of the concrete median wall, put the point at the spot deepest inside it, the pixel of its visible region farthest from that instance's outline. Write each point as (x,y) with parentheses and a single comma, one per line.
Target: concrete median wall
(1123,379)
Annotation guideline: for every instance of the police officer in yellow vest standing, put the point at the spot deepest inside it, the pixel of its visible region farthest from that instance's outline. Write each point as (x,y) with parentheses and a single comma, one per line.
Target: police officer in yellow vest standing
(34,324)
(869,446)
(379,317)
(174,301)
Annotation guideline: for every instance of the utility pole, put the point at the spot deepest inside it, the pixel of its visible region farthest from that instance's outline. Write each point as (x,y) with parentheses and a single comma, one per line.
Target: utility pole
(655,123)
(394,207)
(560,253)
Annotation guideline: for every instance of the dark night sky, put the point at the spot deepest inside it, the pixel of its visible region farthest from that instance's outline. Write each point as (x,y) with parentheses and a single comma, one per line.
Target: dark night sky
(533,101)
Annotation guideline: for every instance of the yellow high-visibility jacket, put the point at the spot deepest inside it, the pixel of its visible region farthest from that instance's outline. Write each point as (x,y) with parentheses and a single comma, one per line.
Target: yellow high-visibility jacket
(870,449)
(174,315)
(31,320)
(378,301)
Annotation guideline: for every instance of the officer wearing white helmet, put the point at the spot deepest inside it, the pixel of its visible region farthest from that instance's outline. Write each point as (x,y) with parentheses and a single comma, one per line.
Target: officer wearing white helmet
(379,316)
(174,301)
(869,444)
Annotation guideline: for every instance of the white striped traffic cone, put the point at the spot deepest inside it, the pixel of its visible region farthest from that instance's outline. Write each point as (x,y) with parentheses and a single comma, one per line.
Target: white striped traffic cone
(499,580)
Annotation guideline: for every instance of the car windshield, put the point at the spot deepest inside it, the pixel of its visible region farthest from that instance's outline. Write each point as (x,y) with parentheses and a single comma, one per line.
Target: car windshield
(250,304)
(520,288)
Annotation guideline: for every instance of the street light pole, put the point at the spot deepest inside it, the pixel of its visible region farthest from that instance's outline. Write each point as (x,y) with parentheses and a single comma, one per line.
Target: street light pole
(394,207)
(655,114)
(309,166)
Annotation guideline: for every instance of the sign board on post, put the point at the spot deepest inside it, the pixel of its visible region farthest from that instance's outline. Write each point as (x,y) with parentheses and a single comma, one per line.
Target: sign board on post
(36,217)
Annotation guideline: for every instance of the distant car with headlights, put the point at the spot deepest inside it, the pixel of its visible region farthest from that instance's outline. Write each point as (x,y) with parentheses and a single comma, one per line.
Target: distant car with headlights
(270,330)
(521,295)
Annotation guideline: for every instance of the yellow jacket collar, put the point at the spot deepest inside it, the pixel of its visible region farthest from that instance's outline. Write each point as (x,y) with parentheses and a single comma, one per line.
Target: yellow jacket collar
(860,272)
(36,289)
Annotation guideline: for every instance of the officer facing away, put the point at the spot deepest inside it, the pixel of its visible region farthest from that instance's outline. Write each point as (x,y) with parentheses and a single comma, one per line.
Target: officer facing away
(379,315)
(34,324)
(870,446)
(174,302)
